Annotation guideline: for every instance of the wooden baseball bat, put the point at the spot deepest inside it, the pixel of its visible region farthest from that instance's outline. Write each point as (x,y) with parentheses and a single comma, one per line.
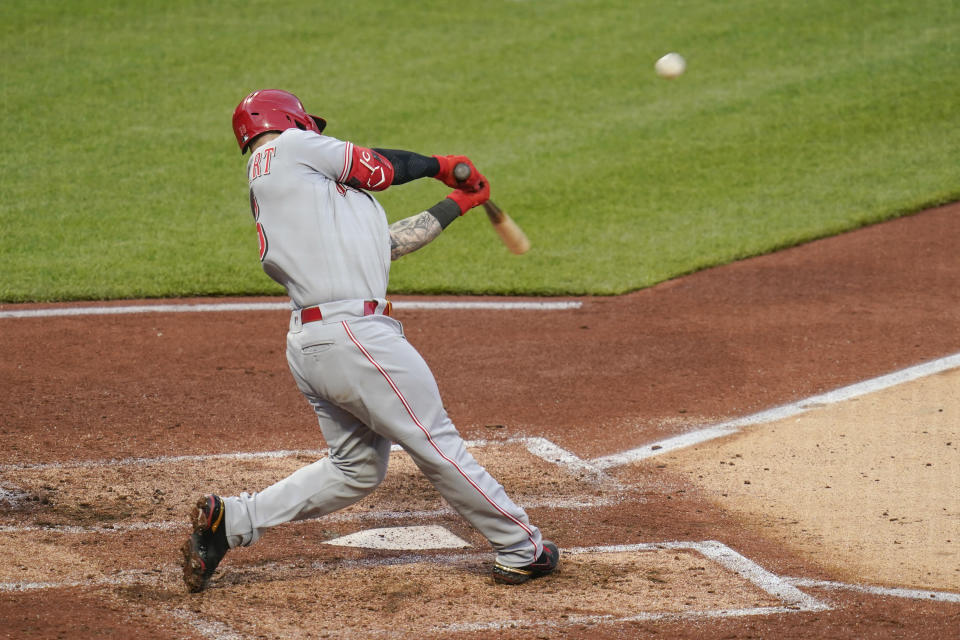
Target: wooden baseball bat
(509,231)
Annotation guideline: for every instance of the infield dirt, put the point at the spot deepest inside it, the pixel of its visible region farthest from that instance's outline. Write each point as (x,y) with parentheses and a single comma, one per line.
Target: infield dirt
(615,374)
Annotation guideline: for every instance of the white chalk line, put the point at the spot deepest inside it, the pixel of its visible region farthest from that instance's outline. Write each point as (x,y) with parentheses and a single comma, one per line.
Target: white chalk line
(120,578)
(570,504)
(206,627)
(579,619)
(125,527)
(893,592)
(781,587)
(547,450)
(540,447)
(777,413)
(726,557)
(478,305)
(230,575)
(784,589)
(161,460)
(793,600)
(765,580)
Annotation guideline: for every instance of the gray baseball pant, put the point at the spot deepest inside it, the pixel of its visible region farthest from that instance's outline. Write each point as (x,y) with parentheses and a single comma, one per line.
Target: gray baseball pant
(370,387)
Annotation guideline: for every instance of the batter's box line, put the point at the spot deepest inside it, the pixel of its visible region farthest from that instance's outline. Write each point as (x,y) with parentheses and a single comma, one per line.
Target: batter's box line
(783,588)
(126,462)
(775,586)
(893,592)
(646,616)
(730,427)
(126,578)
(573,504)
(778,587)
(540,447)
(793,599)
(207,628)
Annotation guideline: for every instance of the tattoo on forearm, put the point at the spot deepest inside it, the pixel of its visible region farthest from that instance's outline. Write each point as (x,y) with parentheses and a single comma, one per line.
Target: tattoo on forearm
(412,233)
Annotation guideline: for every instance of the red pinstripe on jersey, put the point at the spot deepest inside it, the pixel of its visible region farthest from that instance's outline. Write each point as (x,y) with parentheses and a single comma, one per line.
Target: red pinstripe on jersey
(433,444)
(347,162)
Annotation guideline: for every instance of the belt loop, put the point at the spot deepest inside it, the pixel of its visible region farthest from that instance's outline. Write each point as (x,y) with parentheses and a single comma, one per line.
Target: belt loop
(296,326)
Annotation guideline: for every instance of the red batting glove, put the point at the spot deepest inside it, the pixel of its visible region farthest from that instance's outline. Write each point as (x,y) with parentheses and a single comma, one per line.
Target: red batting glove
(445,175)
(467,200)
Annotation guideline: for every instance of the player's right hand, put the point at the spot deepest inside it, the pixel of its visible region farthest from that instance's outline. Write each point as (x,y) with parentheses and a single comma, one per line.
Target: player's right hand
(467,200)
(445,175)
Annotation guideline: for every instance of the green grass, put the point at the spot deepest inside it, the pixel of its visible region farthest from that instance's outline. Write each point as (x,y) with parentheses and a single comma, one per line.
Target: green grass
(795,120)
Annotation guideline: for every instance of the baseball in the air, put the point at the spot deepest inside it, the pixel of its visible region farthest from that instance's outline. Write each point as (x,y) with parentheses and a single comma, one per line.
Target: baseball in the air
(670,65)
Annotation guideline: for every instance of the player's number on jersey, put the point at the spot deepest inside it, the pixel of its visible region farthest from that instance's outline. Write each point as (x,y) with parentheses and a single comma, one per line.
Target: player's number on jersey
(261,234)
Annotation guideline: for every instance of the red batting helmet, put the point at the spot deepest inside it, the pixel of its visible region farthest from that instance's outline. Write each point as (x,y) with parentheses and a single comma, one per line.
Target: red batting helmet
(271,110)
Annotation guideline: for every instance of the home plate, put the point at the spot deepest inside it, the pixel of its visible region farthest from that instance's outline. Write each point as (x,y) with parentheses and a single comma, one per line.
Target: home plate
(430,537)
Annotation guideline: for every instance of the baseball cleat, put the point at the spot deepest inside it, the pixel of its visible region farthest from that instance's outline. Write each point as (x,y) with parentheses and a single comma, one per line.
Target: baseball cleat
(547,562)
(207,545)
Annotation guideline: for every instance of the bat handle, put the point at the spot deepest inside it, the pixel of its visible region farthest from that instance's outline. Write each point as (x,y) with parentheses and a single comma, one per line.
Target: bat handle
(461,172)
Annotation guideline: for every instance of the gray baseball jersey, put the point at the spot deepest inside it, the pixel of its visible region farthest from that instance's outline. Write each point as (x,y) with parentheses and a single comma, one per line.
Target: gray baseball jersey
(320,239)
(328,244)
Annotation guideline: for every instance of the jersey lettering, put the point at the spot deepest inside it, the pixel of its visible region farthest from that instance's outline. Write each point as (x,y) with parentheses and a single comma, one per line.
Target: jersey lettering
(260,164)
(255,166)
(267,154)
(262,239)
(261,234)
(254,206)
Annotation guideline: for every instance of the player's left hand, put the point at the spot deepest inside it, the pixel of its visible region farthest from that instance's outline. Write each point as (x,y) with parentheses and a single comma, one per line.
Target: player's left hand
(467,200)
(445,175)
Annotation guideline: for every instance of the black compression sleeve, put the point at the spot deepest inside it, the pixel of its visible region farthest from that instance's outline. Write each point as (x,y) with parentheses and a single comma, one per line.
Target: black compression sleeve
(408,165)
(445,211)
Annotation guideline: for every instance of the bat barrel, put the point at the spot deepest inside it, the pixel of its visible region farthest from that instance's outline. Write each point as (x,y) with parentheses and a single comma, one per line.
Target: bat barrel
(508,230)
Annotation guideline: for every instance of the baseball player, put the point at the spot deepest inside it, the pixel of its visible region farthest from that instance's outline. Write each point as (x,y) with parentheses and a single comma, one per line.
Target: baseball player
(325,238)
